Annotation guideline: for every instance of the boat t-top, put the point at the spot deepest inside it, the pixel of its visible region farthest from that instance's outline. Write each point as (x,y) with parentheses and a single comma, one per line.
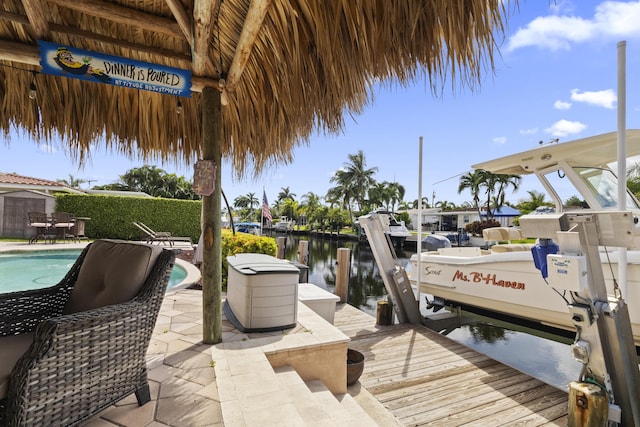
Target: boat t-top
(504,278)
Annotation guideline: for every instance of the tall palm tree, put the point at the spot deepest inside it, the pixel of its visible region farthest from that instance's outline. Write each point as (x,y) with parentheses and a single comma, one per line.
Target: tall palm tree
(253,201)
(504,181)
(397,193)
(473,182)
(356,177)
(343,192)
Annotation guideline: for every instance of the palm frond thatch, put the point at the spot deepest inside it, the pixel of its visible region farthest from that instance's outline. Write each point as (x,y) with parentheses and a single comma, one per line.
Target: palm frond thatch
(309,63)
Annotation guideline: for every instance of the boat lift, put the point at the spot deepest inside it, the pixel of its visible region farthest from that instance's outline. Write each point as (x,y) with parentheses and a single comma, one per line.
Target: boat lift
(394,276)
(604,341)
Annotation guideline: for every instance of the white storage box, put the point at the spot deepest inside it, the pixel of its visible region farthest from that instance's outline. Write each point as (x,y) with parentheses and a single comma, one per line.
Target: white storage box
(262,293)
(317,299)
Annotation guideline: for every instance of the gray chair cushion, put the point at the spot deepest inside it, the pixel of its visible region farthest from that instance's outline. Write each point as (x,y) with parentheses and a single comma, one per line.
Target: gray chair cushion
(12,348)
(113,272)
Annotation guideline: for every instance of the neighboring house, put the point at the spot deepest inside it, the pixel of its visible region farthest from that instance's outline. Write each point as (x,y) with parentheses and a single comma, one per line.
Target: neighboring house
(20,195)
(430,218)
(454,220)
(504,215)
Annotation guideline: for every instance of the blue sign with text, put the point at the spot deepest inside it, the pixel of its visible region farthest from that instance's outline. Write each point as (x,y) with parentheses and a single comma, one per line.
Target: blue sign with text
(82,64)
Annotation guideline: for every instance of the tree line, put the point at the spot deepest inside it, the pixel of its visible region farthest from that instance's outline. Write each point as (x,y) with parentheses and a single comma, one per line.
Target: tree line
(355,192)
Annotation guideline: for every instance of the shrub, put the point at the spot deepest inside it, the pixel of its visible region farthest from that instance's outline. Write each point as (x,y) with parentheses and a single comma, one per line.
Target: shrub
(475,228)
(243,243)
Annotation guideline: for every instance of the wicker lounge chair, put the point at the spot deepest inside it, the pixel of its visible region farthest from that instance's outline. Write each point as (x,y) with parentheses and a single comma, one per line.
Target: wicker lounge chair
(73,349)
(160,236)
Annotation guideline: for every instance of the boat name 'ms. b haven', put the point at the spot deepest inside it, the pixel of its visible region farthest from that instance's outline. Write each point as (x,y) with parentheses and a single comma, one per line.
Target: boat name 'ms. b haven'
(487,279)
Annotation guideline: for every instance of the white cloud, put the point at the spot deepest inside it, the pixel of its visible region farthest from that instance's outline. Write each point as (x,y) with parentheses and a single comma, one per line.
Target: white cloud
(563,128)
(602,98)
(611,20)
(561,105)
(500,140)
(532,131)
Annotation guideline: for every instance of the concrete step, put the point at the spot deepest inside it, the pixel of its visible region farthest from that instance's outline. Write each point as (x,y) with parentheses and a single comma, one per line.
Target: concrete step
(316,404)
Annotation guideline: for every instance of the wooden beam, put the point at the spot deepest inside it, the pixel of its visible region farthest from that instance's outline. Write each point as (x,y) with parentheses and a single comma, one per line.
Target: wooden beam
(203,16)
(151,50)
(123,15)
(20,53)
(27,54)
(186,24)
(87,35)
(37,19)
(182,18)
(253,23)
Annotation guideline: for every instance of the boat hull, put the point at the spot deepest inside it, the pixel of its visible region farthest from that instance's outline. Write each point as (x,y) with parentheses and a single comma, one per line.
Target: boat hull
(509,283)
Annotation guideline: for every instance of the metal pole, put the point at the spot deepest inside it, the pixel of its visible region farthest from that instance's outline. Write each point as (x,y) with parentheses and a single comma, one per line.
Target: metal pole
(622,158)
(419,242)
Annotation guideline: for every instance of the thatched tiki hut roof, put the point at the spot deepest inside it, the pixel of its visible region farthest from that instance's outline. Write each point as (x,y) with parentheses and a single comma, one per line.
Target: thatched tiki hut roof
(278,68)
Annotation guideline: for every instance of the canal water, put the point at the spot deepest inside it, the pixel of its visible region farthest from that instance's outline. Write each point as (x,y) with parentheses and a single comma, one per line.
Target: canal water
(542,355)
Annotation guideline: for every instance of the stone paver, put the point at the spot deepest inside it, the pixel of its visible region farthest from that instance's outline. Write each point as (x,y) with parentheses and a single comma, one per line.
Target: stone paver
(182,374)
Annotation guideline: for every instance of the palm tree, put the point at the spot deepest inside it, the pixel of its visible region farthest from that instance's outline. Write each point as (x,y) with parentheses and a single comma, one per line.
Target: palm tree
(72,181)
(445,205)
(398,192)
(253,201)
(286,194)
(473,181)
(342,193)
(536,199)
(504,181)
(356,178)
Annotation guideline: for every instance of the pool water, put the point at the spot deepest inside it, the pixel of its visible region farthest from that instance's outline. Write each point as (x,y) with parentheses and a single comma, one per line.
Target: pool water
(35,270)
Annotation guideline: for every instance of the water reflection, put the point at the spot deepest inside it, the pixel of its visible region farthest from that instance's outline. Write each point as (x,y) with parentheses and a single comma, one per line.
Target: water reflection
(545,357)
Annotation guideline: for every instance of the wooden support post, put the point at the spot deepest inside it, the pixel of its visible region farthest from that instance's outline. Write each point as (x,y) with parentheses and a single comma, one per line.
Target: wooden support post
(303,252)
(211,221)
(282,246)
(343,273)
(588,405)
(384,313)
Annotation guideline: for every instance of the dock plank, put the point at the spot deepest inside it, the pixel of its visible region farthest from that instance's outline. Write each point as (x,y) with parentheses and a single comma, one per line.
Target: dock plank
(424,378)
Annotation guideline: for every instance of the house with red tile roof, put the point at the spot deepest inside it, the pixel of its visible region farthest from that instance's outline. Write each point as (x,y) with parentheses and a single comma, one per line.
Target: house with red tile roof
(20,195)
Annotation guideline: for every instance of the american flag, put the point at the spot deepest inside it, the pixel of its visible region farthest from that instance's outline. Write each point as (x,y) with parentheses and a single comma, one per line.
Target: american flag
(266,212)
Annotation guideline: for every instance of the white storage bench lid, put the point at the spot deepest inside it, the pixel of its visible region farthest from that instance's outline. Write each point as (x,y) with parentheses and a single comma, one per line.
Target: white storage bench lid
(311,292)
(250,264)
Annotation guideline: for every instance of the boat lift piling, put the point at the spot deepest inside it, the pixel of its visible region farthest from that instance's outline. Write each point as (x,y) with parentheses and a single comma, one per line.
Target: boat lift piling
(393,275)
(604,341)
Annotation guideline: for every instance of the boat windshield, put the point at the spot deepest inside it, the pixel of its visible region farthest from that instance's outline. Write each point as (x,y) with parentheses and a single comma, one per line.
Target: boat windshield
(588,187)
(603,185)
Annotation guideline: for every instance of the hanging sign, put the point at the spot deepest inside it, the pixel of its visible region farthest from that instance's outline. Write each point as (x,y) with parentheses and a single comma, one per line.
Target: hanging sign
(66,61)
(204,177)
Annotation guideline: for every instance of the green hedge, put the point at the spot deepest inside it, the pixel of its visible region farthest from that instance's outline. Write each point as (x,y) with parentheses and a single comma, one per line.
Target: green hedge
(113,216)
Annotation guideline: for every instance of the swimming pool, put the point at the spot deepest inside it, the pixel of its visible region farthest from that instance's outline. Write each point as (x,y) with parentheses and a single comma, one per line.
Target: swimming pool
(35,270)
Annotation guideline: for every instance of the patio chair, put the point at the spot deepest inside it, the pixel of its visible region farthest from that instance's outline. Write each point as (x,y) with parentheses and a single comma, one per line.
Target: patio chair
(160,236)
(62,223)
(40,222)
(73,349)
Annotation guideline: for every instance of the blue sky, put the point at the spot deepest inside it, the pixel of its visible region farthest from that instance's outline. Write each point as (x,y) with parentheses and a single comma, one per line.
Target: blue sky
(556,76)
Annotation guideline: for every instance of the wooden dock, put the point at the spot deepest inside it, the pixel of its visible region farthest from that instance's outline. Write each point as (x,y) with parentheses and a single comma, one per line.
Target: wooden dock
(424,378)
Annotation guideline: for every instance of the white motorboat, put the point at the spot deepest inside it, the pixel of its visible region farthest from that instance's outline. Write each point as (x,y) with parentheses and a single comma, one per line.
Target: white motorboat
(397,230)
(503,278)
